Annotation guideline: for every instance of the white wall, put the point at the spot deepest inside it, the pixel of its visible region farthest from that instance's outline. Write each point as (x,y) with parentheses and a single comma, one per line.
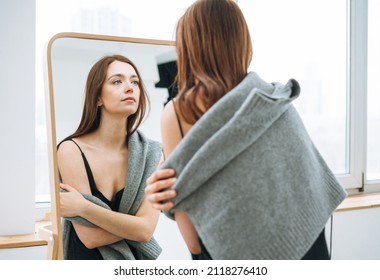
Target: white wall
(356,235)
(17,154)
(27,253)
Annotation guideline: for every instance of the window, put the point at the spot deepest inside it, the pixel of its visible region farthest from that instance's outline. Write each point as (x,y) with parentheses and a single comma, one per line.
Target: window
(373,128)
(323,44)
(288,44)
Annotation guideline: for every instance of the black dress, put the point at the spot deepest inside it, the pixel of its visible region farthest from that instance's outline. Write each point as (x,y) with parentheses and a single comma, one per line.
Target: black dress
(76,249)
(318,250)
(203,255)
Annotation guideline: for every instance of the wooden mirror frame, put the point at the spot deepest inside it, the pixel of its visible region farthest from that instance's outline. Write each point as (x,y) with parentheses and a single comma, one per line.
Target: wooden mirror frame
(55,242)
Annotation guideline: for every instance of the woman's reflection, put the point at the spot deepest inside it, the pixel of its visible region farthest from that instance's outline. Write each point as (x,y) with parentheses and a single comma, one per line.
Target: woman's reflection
(104,165)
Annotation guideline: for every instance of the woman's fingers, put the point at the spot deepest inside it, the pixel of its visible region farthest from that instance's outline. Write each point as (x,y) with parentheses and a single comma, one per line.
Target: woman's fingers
(161,200)
(68,187)
(160,186)
(160,174)
(159,197)
(65,187)
(160,180)
(157,190)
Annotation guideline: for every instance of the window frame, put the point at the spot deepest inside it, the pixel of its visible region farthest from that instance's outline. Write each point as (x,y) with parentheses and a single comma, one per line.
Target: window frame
(355,181)
(357,12)
(357,65)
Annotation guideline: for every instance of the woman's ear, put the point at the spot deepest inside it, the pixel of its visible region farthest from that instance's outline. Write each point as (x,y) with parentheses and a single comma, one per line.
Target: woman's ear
(100,103)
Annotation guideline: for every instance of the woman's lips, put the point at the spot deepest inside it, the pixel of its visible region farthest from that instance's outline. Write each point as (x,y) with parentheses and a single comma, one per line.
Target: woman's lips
(129,99)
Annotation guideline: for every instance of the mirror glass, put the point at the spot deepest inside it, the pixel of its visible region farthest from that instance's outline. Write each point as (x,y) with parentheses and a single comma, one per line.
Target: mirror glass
(72,59)
(69,59)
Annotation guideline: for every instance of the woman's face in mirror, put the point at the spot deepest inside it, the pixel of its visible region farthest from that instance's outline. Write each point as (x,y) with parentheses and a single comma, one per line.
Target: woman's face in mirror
(120,91)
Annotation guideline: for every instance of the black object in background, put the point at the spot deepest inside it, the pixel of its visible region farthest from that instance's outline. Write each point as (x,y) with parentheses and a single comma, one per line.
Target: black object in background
(168,73)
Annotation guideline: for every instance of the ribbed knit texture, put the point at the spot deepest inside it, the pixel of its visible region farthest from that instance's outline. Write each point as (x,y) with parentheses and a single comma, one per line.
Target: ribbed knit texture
(143,158)
(251,179)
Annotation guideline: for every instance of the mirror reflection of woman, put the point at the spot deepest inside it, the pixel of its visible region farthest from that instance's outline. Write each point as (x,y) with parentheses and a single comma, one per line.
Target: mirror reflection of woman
(103,168)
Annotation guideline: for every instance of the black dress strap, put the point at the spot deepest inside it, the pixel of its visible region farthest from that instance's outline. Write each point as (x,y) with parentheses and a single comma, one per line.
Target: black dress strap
(86,164)
(179,124)
(178,120)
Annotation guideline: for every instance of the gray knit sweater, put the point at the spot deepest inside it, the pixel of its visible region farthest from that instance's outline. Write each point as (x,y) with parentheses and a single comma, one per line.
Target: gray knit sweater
(143,158)
(251,179)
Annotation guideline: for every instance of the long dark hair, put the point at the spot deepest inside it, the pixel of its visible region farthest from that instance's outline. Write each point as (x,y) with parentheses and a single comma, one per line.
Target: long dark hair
(91,111)
(214,51)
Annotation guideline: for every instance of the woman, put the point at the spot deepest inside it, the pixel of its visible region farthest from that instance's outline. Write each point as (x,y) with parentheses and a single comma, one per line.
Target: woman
(234,190)
(104,166)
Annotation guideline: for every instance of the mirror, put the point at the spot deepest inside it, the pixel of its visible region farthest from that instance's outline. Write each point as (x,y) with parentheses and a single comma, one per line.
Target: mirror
(69,57)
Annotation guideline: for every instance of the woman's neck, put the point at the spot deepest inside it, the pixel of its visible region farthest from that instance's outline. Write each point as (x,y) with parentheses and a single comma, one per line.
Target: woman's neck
(111,134)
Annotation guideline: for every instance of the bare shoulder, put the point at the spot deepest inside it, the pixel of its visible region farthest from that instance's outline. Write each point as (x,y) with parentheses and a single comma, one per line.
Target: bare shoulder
(168,113)
(71,166)
(170,130)
(169,121)
(67,150)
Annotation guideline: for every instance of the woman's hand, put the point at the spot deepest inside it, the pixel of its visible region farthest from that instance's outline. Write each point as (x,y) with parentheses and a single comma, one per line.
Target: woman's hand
(155,189)
(71,201)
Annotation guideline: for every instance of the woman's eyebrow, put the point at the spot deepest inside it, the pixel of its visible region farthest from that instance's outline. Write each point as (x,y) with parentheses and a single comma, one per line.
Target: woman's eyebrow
(121,76)
(116,75)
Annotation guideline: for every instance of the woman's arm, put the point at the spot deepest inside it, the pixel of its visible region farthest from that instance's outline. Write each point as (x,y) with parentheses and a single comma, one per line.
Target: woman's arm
(171,136)
(112,226)
(95,236)
(73,172)
(139,227)
(156,194)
